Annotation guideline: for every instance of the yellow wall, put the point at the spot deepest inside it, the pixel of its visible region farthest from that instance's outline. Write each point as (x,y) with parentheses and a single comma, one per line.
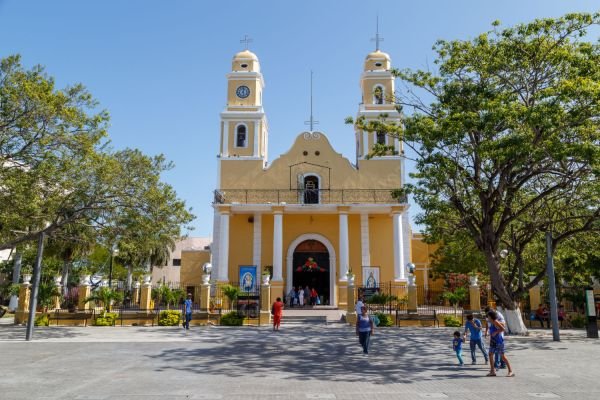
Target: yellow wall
(191,266)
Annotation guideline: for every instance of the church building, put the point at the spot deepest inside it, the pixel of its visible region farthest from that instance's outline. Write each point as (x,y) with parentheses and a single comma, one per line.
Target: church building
(310,217)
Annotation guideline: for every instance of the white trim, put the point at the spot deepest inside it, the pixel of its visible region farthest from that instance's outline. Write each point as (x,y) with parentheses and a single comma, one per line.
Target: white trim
(257,241)
(364,240)
(277,246)
(225,150)
(304,176)
(315,208)
(256,136)
(398,232)
(235,133)
(214,248)
(332,262)
(378,85)
(344,245)
(224,248)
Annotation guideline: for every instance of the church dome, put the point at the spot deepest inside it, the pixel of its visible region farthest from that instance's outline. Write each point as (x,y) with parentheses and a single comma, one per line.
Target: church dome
(245,61)
(377,61)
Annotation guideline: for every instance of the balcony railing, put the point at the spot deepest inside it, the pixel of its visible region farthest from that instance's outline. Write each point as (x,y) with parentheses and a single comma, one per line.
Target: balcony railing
(312,196)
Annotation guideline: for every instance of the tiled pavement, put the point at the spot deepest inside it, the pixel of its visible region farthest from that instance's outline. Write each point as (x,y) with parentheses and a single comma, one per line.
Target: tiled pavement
(300,362)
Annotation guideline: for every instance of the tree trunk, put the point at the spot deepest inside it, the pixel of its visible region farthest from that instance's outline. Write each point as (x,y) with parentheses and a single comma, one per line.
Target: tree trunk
(511,311)
(14,300)
(65,277)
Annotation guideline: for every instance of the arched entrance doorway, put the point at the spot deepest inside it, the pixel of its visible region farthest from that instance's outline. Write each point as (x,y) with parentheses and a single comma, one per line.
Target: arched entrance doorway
(311,267)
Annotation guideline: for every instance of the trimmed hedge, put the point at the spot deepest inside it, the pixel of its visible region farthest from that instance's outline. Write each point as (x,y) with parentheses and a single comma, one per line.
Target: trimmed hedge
(42,320)
(169,318)
(450,320)
(107,319)
(232,319)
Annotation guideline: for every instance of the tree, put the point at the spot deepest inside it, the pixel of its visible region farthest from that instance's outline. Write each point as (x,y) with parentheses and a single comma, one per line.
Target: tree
(107,296)
(507,135)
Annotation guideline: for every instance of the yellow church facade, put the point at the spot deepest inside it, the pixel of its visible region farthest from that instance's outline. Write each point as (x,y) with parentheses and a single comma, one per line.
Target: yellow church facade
(311,217)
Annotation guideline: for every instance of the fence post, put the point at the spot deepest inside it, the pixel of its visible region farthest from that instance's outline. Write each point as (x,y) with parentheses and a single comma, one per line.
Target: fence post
(412,296)
(146,296)
(23,307)
(265,304)
(535,296)
(474,295)
(84,292)
(135,296)
(350,310)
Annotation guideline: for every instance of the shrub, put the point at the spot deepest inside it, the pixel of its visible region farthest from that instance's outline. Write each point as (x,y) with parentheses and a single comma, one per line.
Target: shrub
(232,319)
(42,320)
(106,319)
(578,321)
(385,319)
(169,318)
(450,320)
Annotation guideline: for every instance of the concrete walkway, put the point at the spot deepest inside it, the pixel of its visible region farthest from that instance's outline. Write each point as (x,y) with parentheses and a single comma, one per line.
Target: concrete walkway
(302,362)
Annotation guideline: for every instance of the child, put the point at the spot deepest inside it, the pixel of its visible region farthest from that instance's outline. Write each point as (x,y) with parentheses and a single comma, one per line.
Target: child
(457,347)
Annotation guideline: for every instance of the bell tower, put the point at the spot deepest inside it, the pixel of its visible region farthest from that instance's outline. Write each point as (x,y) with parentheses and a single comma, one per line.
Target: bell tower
(377,89)
(243,122)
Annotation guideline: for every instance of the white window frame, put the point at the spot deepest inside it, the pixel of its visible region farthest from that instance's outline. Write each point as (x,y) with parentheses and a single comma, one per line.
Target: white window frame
(235,139)
(382,94)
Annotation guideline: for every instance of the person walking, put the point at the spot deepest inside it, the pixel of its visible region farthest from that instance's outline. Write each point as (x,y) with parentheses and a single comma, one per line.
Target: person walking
(500,318)
(359,305)
(187,305)
(364,329)
(497,330)
(474,327)
(313,296)
(277,312)
(457,342)
(300,296)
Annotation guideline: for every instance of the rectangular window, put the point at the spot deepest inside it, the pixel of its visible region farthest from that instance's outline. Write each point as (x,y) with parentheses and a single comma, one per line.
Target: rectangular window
(177,262)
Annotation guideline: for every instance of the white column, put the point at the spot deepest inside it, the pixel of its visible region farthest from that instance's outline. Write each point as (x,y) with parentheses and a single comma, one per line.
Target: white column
(256,248)
(225,138)
(277,246)
(399,273)
(214,247)
(364,240)
(365,146)
(344,252)
(256,138)
(224,248)
(406,237)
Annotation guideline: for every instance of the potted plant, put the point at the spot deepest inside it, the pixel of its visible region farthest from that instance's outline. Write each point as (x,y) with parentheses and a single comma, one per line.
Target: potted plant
(350,276)
(266,276)
(26,271)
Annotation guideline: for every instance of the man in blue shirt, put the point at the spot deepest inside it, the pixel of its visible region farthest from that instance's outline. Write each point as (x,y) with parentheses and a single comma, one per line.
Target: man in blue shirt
(474,326)
(187,304)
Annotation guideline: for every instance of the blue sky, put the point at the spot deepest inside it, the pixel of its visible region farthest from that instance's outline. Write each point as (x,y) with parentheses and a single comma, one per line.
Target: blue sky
(159,67)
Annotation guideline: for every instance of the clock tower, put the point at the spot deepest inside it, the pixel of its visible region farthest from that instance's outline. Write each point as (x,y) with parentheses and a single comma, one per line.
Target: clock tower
(243,122)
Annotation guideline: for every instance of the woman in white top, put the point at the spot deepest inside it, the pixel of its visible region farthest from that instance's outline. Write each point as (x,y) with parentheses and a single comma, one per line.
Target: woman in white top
(301,296)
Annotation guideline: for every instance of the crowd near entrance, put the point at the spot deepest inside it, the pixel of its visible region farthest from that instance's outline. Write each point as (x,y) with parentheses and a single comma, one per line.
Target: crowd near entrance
(311,269)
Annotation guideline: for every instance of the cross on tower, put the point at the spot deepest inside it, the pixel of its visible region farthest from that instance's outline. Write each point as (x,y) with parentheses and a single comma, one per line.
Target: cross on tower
(311,122)
(377,38)
(246,40)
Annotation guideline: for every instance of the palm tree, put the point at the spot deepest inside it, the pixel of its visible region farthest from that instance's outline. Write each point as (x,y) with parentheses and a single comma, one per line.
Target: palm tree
(106,296)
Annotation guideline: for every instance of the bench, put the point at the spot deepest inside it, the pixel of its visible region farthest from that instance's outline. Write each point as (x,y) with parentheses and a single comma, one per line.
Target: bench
(138,315)
(65,315)
(413,316)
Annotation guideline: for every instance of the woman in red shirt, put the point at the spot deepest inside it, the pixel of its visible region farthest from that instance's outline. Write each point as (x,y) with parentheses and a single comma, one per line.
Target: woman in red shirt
(277,311)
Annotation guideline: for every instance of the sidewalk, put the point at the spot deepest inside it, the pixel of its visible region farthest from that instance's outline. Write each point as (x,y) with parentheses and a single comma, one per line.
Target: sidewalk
(304,362)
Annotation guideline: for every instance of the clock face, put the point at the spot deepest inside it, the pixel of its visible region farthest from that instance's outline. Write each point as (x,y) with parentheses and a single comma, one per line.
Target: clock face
(242,92)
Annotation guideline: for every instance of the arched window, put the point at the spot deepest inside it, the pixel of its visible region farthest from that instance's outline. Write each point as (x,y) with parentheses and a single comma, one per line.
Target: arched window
(378,94)
(380,138)
(241,136)
(311,189)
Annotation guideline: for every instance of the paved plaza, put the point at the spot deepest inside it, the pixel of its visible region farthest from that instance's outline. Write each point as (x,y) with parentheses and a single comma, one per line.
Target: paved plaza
(300,362)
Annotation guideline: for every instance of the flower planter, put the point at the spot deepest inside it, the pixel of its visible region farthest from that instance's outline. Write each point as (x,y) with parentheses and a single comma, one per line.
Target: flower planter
(27,278)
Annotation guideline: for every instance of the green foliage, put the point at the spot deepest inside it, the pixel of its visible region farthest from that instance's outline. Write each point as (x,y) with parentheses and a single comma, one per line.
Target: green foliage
(106,296)
(507,144)
(167,296)
(169,318)
(578,321)
(455,297)
(106,319)
(452,321)
(42,320)
(47,291)
(231,292)
(381,298)
(385,319)
(232,319)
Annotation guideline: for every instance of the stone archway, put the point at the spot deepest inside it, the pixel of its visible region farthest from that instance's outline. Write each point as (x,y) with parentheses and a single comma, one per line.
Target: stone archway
(332,262)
